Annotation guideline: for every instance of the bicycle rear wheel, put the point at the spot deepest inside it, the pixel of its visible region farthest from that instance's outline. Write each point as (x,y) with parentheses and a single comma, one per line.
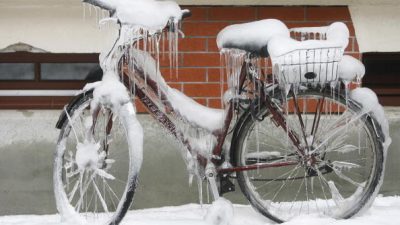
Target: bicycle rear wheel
(94,182)
(344,164)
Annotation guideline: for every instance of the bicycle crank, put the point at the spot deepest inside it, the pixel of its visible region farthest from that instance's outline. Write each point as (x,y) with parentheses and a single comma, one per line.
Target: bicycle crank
(211,175)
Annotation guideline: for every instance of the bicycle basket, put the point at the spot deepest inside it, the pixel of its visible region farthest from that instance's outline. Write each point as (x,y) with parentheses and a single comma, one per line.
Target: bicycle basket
(312,59)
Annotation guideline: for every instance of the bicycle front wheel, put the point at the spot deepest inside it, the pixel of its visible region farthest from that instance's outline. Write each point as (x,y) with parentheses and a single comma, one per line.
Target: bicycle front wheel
(340,171)
(94,182)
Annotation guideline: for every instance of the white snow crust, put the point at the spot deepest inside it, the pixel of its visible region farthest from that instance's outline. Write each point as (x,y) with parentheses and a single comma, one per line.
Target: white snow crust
(150,14)
(384,211)
(256,33)
(209,118)
(200,115)
(110,92)
(369,101)
(350,68)
(220,212)
(337,35)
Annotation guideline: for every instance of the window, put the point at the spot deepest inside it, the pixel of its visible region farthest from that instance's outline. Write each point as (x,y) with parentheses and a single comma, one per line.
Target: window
(17,71)
(44,80)
(383,76)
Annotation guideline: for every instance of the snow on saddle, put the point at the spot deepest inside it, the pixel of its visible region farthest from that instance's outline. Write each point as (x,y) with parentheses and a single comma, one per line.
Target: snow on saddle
(252,37)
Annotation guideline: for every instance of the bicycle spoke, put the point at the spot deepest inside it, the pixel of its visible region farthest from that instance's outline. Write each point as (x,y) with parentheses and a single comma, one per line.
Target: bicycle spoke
(337,148)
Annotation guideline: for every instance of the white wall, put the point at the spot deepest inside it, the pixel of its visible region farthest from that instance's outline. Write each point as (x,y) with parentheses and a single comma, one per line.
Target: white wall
(52,27)
(377,27)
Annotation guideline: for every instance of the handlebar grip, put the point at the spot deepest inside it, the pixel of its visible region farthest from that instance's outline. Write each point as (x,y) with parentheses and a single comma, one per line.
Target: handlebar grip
(186,14)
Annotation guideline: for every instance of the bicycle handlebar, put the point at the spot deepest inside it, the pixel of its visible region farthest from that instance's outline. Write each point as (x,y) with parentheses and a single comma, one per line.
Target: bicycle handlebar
(186,14)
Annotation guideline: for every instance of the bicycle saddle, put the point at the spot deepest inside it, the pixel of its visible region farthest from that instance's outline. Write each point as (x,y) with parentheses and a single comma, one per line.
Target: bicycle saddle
(251,37)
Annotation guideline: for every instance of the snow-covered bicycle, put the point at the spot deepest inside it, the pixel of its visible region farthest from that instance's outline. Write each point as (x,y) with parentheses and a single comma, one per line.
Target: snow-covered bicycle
(299,141)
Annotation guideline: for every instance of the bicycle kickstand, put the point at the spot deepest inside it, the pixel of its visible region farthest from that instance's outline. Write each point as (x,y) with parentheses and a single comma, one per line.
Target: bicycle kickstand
(211,175)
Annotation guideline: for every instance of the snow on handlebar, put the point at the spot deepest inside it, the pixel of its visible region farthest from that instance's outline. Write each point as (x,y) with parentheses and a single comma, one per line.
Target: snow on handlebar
(151,15)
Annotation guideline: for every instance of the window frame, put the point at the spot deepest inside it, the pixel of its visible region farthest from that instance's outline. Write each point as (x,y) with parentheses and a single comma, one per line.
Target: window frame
(47,101)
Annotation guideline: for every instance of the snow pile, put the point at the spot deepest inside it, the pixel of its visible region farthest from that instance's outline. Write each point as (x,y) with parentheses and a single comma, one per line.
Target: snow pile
(351,68)
(220,212)
(110,93)
(202,116)
(384,211)
(254,35)
(150,14)
(337,35)
(87,154)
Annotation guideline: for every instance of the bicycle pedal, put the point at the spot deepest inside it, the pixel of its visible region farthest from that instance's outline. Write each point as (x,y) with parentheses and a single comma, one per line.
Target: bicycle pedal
(226,185)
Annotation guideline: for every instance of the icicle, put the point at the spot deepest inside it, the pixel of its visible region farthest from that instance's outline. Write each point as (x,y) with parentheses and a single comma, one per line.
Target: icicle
(258,142)
(176,37)
(200,189)
(346,90)
(221,79)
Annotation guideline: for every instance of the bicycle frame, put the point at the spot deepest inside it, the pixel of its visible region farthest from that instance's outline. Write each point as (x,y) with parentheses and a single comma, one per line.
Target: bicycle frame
(146,87)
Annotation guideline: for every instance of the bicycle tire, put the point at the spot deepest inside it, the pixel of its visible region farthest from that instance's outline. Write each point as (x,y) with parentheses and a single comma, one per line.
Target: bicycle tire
(275,207)
(95,213)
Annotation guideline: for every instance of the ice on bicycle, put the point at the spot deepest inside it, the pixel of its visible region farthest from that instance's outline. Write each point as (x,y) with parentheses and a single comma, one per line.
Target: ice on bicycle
(291,133)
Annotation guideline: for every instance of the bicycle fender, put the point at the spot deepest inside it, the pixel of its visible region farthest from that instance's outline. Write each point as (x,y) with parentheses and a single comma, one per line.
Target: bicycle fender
(238,127)
(69,108)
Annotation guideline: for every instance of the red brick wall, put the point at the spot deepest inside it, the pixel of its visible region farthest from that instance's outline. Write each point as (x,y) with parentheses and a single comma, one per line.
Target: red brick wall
(199,57)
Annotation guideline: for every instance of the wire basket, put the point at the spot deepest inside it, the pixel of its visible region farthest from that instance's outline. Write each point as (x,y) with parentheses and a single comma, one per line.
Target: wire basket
(309,65)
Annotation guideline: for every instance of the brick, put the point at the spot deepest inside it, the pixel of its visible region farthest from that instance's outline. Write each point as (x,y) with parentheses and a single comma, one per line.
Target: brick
(238,13)
(202,90)
(351,29)
(355,55)
(165,60)
(214,74)
(203,28)
(184,75)
(212,45)
(285,13)
(198,13)
(192,44)
(306,24)
(201,59)
(202,101)
(349,47)
(332,13)
(187,44)
(175,85)
(140,107)
(215,103)
(356,47)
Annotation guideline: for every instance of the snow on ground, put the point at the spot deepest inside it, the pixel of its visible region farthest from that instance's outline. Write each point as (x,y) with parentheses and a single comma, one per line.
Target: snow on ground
(384,211)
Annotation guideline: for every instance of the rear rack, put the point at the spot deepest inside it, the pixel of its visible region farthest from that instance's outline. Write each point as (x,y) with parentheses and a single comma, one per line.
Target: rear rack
(310,65)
